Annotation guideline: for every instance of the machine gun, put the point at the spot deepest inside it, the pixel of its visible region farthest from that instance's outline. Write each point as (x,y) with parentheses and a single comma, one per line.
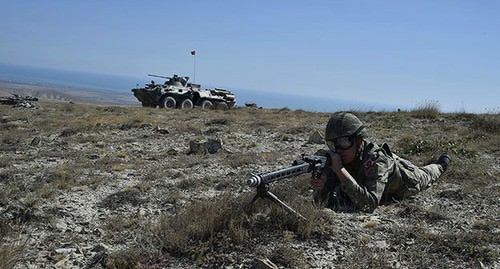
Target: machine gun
(306,164)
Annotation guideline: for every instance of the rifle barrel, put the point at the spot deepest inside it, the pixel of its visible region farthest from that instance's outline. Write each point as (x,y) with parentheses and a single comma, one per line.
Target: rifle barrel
(265,178)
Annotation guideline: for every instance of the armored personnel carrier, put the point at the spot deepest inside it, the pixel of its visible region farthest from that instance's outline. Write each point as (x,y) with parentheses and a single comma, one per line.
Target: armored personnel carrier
(176,92)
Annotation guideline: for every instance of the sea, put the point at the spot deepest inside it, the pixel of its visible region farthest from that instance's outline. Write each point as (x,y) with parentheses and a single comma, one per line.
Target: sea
(95,83)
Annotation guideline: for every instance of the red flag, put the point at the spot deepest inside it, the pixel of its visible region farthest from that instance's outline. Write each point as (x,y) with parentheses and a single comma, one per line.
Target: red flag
(193,52)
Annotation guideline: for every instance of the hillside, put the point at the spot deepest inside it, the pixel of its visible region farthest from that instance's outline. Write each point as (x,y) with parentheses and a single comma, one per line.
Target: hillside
(65,93)
(96,186)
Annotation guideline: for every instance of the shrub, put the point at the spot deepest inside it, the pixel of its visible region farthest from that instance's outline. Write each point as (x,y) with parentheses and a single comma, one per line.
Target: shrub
(416,146)
(426,110)
(130,196)
(133,258)
(9,254)
(487,122)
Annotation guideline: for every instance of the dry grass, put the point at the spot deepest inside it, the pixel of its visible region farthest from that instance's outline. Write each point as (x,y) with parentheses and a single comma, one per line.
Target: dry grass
(426,110)
(488,122)
(9,255)
(207,229)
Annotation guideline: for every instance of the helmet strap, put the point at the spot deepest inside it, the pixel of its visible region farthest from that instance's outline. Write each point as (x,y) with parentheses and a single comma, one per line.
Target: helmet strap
(359,148)
(358,131)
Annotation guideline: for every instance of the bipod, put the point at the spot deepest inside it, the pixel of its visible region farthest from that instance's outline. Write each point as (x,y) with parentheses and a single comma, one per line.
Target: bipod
(263,192)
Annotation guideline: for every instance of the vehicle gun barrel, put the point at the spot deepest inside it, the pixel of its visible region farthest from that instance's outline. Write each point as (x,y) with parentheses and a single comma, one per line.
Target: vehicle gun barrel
(158,76)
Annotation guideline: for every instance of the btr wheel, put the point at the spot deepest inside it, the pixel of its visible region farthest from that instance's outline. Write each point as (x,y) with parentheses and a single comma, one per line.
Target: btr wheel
(169,102)
(186,104)
(222,105)
(206,104)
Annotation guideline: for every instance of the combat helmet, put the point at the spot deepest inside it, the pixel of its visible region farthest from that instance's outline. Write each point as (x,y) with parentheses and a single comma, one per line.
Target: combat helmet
(343,124)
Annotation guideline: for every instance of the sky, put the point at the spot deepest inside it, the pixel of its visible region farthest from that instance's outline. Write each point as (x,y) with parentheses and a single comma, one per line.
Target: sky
(400,53)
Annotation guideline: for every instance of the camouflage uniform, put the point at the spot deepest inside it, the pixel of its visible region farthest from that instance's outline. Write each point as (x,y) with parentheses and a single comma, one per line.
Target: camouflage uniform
(379,175)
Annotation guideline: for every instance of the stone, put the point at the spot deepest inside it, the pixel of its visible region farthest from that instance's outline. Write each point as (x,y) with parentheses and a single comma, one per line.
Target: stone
(316,138)
(264,263)
(36,141)
(161,130)
(203,147)
(213,145)
(378,244)
(65,250)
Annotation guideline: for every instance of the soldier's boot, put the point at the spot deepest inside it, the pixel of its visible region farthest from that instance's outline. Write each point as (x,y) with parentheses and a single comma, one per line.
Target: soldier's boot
(444,160)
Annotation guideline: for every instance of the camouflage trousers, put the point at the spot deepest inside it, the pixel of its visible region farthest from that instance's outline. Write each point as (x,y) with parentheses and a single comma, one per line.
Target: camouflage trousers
(415,179)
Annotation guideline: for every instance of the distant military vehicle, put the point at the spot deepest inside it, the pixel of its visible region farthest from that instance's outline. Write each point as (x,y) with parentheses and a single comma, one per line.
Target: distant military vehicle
(176,92)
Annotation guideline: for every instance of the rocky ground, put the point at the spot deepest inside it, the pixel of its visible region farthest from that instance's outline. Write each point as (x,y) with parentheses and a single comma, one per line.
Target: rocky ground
(96,186)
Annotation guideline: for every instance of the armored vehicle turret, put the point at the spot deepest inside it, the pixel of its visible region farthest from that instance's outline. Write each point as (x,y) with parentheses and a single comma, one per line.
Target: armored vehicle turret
(176,92)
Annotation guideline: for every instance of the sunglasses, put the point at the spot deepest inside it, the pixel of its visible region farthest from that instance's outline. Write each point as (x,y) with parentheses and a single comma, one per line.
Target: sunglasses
(341,143)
